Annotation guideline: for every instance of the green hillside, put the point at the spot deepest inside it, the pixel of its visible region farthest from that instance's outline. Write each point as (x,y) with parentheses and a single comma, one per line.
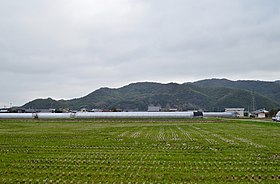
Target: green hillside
(213,94)
(269,90)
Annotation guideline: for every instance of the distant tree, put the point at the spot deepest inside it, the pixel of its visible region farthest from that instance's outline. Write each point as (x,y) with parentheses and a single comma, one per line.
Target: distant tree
(273,112)
(246,113)
(114,110)
(58,110)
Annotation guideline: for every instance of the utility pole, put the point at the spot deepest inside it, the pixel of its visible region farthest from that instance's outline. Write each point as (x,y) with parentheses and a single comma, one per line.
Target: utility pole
(253,102)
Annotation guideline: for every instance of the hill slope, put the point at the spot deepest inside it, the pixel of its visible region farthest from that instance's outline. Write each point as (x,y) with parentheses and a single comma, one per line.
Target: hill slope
(269,90)
(213,94)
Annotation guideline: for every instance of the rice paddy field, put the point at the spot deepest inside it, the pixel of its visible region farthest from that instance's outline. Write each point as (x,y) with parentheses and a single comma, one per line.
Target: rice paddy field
(139,151)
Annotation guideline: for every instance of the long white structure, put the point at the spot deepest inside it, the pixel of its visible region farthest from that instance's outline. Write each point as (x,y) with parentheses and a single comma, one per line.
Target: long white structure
(82,115)
(54,115)
(16,116)
(219,114)
(134,115)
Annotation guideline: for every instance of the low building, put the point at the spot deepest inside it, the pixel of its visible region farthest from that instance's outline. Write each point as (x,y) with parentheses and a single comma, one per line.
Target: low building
(96,110)
(4,110)
(84,110)
(40,110)
(261,113)
(173,110)
(239,111)
(152,108)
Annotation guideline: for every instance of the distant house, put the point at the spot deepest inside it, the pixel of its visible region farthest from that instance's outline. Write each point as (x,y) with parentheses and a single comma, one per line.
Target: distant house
(96,110)
(30,110)
(39,110)
(16,110)
(238,111)
(4,110)
(152,108)
(261,113)
(84,110)
(173,110)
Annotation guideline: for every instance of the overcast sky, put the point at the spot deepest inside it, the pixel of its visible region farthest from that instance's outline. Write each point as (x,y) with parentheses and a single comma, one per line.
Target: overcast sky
(69,48)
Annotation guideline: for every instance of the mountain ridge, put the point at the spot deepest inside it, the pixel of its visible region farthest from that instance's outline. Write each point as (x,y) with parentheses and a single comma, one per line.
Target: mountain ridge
(207,94)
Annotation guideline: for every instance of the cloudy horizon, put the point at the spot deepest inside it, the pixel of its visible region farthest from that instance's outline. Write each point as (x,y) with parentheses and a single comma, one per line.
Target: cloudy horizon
(66,49)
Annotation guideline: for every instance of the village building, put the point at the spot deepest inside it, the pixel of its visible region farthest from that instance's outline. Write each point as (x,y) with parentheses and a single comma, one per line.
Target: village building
(152,108)
(261,113)
(238,111)
(84,110)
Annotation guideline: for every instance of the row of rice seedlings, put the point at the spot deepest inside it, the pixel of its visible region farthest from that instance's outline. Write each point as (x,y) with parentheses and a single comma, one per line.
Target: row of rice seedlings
(227,140)
(127,132)
(149,178)
(231,138)
(243,140)
(174,135)
(249,162)
(145,159)
(103,156)
(170,164)
(136,134)
(197,136)
(185,133)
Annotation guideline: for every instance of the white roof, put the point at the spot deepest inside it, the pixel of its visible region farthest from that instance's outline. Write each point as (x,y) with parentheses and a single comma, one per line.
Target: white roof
(261,111)
(234,109)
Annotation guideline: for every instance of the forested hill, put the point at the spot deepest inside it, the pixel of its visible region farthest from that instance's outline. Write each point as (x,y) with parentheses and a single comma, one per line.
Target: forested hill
(270,90)
(210,94)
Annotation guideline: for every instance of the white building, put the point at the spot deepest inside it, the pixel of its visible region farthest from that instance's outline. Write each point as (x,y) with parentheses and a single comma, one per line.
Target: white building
(239,111)
(261,113)
(96,110)
(84,110)
(4,110)
(152,108)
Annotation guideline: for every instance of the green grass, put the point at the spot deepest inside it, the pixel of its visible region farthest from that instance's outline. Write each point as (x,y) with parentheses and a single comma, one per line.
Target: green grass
(139,150)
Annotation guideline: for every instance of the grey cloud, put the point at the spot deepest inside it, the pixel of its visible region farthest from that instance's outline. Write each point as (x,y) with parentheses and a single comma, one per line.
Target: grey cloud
(65,49)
